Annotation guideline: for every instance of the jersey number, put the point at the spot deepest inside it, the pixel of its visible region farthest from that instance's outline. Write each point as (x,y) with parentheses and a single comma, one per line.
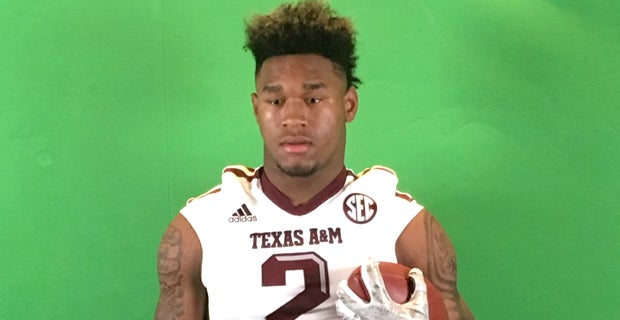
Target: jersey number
(315,278)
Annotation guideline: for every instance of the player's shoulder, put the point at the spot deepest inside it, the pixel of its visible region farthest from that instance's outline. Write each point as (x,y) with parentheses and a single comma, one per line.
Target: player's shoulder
(377,174)
(377,170)
(383,179)
(240,173)
(234,178)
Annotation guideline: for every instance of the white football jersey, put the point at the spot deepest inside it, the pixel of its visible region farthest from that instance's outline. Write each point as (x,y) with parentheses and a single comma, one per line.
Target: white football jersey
(262,258)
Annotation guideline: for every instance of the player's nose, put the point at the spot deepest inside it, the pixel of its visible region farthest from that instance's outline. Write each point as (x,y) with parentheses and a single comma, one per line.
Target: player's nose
(294,113)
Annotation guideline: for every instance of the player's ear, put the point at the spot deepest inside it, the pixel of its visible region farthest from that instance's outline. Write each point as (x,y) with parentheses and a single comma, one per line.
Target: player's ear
(255,103)
(350,103)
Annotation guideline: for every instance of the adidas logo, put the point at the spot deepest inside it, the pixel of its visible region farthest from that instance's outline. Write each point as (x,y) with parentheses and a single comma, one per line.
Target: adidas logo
(242,214)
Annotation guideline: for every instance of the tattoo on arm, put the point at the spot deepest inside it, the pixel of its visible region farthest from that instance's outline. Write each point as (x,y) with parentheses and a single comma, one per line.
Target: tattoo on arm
(441,256)
(442,269)
(170,304)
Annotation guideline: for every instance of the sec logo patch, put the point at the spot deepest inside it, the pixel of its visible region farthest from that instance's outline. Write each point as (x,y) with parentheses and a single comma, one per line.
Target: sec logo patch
(359,208)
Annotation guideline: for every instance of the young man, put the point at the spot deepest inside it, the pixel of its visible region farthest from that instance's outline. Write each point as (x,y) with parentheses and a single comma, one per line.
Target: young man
(274,242)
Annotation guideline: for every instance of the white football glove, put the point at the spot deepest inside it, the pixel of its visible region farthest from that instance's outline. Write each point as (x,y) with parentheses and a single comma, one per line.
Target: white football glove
(351,307)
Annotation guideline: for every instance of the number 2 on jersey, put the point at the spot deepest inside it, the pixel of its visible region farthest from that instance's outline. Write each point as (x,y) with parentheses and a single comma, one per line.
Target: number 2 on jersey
(315,278)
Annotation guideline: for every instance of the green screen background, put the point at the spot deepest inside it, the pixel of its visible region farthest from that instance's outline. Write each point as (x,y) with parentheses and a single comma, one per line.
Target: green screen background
(499,116)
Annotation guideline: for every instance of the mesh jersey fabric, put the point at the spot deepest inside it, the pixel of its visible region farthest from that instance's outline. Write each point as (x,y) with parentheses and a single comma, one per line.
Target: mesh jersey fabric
(259,261)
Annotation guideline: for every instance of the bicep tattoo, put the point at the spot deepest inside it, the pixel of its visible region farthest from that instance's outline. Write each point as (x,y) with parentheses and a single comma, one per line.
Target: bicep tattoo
(441,256)
(170,304)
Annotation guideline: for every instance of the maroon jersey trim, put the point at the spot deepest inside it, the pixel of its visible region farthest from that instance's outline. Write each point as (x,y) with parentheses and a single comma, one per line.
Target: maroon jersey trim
(403,195)
(242,174)
(282,201)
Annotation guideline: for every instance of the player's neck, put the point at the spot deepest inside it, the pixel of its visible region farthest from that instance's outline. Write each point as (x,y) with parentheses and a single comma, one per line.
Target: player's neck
(300,190)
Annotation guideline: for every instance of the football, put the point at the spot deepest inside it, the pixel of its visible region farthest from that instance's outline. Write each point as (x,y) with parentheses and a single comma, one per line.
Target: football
(400,287)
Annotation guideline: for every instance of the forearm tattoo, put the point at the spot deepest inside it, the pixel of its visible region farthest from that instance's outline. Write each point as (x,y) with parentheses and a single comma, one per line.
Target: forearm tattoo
(170,304)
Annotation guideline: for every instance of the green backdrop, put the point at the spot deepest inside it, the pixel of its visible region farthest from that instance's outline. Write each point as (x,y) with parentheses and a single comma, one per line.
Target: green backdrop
(499,116)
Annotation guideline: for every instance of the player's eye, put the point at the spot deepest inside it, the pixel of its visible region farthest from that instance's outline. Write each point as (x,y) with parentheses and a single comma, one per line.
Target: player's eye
(275,102)
(314,100)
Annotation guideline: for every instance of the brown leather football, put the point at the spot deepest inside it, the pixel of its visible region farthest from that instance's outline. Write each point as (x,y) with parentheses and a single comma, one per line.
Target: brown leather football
(400,287)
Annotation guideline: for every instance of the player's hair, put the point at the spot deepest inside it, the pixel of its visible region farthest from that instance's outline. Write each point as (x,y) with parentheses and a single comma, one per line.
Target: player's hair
(306,27)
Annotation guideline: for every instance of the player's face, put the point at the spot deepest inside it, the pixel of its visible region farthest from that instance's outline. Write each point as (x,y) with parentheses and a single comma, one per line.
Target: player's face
(302,105)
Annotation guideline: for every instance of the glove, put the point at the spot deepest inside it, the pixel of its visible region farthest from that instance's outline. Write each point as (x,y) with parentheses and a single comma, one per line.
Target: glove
(351,307)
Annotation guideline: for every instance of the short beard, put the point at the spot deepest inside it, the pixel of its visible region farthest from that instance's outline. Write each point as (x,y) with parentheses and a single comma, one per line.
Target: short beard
(299,171)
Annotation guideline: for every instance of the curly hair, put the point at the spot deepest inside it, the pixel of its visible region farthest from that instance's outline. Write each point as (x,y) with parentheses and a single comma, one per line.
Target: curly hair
(306,27)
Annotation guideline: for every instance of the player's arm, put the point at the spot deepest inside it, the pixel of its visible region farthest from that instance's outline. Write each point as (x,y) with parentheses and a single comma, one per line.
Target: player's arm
(181,293)
(425,244)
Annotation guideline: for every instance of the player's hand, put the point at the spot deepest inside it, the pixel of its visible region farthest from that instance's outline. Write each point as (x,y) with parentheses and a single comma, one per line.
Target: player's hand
(351,307)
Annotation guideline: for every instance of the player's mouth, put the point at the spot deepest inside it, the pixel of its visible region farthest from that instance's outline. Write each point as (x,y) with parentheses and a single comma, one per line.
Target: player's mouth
(295,145)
